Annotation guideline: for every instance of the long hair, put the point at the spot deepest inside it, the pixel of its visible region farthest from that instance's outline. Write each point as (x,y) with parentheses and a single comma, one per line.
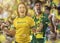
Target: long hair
(25,8)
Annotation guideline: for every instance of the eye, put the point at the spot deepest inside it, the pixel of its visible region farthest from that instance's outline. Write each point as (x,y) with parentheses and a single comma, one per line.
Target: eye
(20,7)
(23,7)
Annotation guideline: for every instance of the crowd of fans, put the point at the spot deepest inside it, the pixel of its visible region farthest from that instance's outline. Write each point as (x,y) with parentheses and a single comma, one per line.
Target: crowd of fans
(45,13)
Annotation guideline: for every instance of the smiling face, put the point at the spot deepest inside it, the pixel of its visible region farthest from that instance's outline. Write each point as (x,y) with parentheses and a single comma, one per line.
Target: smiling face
(37,7)
(22,10)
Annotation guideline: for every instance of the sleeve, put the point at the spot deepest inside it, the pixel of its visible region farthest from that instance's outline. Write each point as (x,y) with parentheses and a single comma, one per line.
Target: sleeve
(31,22)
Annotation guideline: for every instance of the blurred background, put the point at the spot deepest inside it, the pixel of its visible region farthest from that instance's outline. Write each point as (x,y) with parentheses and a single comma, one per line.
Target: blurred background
(10,9)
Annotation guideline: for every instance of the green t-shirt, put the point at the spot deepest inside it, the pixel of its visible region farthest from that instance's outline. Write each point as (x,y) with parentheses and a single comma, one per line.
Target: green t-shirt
(45,22)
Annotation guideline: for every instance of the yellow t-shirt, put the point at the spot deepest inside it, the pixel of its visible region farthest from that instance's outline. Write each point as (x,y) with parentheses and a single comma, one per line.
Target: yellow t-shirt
(23,26)
(39,34)
(54,11)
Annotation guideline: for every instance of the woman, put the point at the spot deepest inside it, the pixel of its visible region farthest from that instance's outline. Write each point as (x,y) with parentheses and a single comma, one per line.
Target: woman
(23,24)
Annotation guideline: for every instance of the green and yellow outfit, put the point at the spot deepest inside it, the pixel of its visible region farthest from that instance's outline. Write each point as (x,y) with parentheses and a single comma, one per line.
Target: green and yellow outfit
(37,38)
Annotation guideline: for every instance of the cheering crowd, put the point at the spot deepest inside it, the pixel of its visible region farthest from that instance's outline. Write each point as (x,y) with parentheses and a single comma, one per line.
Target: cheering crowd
(29,21)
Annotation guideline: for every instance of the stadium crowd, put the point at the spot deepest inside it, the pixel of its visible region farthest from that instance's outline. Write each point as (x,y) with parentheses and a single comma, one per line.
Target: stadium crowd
(29,21)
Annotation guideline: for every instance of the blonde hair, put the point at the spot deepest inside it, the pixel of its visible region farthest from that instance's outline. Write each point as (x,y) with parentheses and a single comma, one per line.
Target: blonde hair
(25,7)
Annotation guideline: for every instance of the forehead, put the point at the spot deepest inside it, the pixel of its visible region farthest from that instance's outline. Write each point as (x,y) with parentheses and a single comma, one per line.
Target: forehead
(37,4)
(21,5)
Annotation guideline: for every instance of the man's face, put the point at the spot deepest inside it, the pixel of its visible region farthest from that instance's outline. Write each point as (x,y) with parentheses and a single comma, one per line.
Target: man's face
(38,6)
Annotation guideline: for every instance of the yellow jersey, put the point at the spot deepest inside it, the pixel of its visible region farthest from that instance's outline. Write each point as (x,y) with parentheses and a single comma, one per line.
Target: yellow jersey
(23,26)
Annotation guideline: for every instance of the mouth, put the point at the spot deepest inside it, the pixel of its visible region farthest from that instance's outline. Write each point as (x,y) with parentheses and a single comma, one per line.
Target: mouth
(22,12)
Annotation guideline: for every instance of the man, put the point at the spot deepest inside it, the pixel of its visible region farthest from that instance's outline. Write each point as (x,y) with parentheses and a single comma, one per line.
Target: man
(38,36)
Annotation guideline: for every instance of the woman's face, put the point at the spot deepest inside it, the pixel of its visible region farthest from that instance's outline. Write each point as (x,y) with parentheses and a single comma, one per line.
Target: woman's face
(22,10)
